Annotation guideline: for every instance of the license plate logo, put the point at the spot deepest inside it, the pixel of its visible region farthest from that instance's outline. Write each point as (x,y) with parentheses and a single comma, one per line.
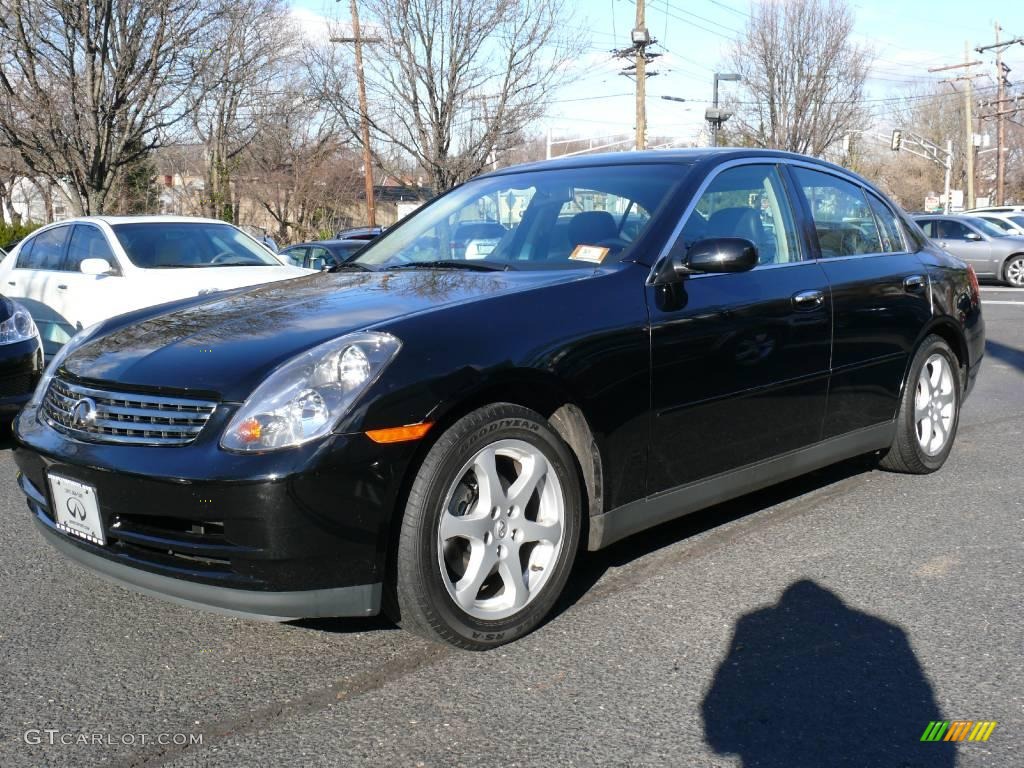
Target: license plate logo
(76,510)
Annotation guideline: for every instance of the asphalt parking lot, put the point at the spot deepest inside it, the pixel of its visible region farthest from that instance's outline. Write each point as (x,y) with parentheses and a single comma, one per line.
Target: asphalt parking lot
(825,621)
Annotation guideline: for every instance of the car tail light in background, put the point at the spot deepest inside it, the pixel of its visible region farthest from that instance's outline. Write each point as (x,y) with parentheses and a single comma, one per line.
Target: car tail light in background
(975,288)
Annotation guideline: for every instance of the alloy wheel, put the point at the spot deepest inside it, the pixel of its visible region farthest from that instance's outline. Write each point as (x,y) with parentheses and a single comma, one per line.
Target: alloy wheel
(934,404)
(1015,272)
(501,529)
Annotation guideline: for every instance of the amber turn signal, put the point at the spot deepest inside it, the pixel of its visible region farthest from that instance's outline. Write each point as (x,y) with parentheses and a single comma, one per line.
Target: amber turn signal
(400,434)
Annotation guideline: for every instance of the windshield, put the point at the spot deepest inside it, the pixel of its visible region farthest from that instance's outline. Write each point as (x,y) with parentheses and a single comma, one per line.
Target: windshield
(165,245)
(553,219)
(989,228)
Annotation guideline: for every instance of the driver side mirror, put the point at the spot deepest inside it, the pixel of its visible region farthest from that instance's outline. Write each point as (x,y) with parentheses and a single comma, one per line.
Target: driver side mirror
(717,255)
(972,236)
(95,267)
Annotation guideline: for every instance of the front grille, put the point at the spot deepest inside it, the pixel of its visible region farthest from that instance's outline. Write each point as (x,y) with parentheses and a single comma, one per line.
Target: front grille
(123,417)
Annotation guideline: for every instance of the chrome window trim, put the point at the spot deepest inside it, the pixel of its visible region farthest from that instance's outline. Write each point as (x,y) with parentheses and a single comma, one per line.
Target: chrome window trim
(793,162)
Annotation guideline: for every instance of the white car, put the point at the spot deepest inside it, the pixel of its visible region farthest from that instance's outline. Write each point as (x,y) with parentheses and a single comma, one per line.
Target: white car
(75,273)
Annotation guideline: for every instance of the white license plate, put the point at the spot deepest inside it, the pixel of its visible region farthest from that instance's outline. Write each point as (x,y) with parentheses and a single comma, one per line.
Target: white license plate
(76,509)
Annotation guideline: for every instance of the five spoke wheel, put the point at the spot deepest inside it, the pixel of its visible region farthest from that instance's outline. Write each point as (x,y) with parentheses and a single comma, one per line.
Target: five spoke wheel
(934,404)
(501,529)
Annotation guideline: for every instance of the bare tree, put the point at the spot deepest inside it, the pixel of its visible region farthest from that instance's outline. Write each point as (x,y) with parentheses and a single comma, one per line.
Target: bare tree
(86,87)
(298,171)
(802,76)
(245,51)
(10,170)
(452,82)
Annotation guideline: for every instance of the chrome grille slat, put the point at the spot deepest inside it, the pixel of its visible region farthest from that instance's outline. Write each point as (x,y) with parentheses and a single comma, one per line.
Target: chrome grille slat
(125,417)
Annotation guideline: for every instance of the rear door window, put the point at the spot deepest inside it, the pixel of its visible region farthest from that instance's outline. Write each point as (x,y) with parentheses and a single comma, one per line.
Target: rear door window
(47,250)
(888,226)
(842,217)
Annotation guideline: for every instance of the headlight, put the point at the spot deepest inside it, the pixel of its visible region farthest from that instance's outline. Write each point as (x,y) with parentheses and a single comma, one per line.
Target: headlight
(73,343)
(304,398)
(18,327)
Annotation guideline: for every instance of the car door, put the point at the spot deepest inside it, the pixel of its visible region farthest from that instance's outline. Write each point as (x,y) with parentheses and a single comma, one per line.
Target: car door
(86,299)
(739,361)
(880,297)
(33,282)
(965,242)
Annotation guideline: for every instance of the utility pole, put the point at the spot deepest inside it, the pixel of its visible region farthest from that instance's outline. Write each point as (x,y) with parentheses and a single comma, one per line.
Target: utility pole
(641,79)
(642,40)
(1000,115)
(968,79)
(364,120)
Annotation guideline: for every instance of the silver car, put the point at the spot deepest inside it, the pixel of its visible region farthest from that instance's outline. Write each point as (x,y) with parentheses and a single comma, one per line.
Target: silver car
(991,251)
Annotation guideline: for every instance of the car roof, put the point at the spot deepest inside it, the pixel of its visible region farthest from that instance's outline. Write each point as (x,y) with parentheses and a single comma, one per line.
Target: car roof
(332,241)
(683,156)
(147,219)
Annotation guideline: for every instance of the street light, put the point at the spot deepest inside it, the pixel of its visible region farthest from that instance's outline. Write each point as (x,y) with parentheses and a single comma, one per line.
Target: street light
(717,116)
(673,98)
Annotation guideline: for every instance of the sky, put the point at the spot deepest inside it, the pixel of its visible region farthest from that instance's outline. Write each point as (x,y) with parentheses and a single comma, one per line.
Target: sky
(908,38)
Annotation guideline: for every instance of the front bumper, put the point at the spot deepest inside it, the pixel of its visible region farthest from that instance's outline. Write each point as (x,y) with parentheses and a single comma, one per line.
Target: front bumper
(300,534)
(361,600)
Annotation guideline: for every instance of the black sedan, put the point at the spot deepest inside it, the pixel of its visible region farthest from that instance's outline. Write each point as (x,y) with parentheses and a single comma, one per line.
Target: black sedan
(21,356)
(436,437)
(321,254)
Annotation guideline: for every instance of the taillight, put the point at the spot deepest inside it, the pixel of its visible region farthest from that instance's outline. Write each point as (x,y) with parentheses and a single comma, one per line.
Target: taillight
(975,288)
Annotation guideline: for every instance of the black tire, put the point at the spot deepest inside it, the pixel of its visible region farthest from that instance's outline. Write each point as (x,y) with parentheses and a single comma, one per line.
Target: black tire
(422,602)
(906,454)
(1013,271)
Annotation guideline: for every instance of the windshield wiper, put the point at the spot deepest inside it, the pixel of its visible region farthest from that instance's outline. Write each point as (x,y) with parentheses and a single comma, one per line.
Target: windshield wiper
(475,266)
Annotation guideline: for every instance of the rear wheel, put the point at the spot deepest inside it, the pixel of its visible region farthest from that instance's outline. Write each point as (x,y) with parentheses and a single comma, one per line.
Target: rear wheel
(490,530)
(929,412)
(1013,272)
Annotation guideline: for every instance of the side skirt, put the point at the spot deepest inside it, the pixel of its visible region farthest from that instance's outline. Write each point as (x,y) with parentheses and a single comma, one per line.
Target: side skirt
(636,516)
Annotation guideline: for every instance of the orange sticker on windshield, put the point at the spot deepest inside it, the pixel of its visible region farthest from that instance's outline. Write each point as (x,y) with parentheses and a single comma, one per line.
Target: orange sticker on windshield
(592,253)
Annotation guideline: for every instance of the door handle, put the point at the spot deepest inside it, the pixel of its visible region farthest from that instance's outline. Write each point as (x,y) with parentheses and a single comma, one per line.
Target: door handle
(11,282)
(808,299)
(62,287)
(914,283)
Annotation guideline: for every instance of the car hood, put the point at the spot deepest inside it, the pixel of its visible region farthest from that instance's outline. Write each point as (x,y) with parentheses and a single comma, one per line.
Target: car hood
(226,345)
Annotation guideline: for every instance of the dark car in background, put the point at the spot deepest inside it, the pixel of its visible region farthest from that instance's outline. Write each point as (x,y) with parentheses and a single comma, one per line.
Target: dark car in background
(21,356)
(991,251)
(475,239)
(321,254)
(436,436)
(360,233)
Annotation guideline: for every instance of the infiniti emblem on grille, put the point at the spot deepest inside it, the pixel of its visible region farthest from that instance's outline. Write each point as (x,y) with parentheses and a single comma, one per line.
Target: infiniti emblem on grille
(83,413)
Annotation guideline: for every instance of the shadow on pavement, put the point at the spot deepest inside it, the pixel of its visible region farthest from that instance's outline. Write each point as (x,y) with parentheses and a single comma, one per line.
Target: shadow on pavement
(812,682)
(1005,354)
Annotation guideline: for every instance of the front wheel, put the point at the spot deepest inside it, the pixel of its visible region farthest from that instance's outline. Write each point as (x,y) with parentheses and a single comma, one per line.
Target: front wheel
(929,411)
(490,530)
(1013,272)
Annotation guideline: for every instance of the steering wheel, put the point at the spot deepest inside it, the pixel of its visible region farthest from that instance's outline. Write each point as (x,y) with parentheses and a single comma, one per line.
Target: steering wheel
(223,257)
